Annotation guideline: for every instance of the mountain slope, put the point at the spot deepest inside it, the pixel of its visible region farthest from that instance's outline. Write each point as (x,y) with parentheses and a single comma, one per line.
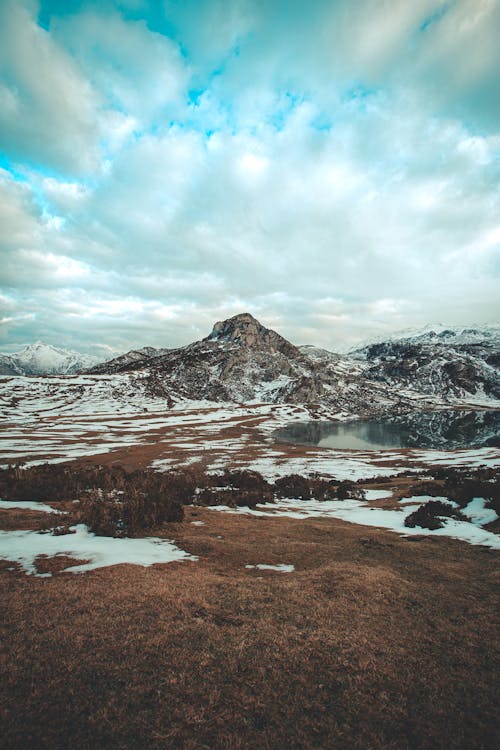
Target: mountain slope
(242,361)
(132,360)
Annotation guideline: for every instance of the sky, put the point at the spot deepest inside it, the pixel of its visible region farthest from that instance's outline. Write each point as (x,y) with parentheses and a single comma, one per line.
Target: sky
(330,166)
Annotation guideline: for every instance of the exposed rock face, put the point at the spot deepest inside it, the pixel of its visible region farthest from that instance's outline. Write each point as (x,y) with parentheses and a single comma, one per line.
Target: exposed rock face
(247,332)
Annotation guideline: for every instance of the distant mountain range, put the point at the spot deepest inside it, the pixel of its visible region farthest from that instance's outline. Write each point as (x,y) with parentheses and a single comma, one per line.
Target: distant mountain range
(45,359)
(243,361)
(449,363)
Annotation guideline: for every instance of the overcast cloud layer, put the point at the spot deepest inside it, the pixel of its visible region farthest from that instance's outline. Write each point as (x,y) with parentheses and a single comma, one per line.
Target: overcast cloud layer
(331,167)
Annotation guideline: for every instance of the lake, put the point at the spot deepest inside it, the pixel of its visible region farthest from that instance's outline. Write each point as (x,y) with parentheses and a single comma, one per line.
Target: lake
(445,430)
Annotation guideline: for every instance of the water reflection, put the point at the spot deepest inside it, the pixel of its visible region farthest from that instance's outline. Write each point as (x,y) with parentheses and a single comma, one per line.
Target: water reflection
(442,429)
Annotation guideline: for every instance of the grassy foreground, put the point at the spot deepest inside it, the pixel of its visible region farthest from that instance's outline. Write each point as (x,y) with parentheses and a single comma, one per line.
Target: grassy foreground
(375,641)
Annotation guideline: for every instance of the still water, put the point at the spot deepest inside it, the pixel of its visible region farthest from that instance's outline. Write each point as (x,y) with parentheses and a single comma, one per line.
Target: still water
(444,430)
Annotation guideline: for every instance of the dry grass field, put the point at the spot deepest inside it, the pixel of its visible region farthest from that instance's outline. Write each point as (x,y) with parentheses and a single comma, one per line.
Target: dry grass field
(374,641)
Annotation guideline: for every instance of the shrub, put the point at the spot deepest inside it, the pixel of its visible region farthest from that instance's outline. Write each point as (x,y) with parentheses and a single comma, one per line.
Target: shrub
(293,486)
(350,491)
(428,516)
(233,497)
(102,514)
(128,514)
(112,501)
(243,479)
(427,487)
(57,482)
(322,489)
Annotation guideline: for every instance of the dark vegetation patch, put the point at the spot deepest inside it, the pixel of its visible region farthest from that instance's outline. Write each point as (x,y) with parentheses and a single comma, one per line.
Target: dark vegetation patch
(114,502)
(293,485)
(350,491)
(462,485)
(429,515)
(234,488)
(111,501)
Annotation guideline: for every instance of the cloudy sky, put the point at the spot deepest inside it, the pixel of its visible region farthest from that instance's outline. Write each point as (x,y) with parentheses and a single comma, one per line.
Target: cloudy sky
(331,166)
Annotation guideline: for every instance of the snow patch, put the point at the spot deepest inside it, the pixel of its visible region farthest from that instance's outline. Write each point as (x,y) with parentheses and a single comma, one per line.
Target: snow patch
(355,511)
(478,513)
(421,499)
(100,551)
(28,505)
(377,494)
(282,567)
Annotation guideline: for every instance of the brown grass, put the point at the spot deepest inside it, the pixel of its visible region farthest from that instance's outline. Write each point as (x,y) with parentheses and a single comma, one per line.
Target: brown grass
(374,642)
(56,564)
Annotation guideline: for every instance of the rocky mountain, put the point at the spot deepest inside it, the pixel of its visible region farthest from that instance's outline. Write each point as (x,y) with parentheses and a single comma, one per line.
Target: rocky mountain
(134,359)
(243,361)
(450,363)
(44,359)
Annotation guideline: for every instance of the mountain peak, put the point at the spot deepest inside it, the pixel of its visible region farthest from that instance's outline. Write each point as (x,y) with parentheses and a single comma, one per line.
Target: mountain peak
(39,346)
(248,332)
(235,327)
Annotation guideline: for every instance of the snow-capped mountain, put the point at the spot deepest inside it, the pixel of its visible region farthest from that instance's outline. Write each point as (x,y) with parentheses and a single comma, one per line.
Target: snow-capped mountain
(434,333)
(44,359)
(449,362)
(243,361)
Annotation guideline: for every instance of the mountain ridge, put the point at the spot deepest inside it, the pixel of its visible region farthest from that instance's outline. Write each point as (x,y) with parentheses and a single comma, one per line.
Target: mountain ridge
(243,361)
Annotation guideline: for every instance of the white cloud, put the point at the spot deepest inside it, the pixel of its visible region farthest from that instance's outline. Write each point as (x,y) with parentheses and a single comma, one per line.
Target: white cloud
(50,110)
(136,71)
(319,177)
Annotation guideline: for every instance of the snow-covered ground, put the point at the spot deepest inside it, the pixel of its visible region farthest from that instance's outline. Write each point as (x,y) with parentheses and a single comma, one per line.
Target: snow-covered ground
(360,512)
(60,418)
(24,547)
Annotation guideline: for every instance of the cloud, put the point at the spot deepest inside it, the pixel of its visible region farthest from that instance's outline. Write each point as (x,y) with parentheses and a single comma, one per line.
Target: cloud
(332,169)
(48,109)
(137,71)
